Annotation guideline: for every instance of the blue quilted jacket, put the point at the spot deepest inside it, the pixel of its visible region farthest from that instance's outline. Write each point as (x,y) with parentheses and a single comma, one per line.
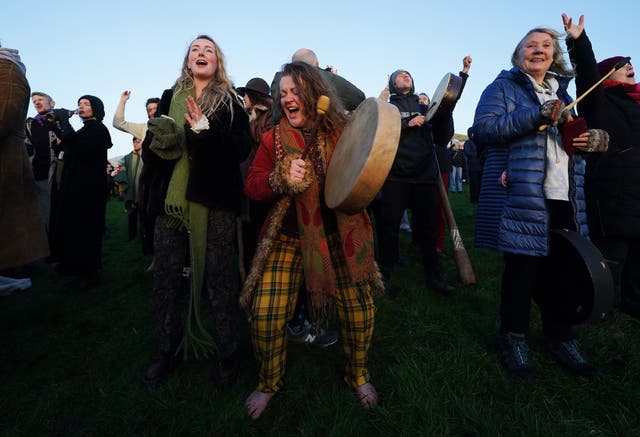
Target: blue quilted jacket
(515,219)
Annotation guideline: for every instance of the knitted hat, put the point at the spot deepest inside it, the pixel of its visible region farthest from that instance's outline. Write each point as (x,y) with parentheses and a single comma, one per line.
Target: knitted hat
(606,65)
(96,106)
(392,79)
(257,85)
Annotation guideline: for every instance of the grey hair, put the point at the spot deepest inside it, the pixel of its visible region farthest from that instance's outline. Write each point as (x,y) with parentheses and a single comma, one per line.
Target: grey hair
(558,65)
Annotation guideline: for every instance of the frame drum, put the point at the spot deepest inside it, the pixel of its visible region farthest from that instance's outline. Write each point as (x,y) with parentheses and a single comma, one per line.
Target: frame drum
(445,97)
(363,156)
(577,282)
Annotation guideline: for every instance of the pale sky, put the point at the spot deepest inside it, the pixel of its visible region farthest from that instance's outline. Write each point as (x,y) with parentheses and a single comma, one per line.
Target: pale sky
(73,48)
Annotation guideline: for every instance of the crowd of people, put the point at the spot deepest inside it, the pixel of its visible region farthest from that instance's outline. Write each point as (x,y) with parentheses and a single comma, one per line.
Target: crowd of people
(224,187)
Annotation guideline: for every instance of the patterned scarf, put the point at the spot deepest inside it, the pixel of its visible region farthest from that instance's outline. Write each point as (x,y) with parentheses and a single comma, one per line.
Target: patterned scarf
(354,232)
(193,217)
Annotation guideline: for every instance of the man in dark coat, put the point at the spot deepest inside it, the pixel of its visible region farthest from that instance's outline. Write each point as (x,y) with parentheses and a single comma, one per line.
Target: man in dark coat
(411,183)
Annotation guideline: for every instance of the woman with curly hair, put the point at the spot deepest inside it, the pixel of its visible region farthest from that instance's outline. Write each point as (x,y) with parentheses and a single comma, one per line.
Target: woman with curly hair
(304,240)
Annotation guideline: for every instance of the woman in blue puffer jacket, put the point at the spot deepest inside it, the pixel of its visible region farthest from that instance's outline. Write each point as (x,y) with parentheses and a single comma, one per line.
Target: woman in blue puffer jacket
(529,186)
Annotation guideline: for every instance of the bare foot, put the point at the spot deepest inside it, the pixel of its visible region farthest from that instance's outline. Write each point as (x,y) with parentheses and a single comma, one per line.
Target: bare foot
(367,395)
(256,403)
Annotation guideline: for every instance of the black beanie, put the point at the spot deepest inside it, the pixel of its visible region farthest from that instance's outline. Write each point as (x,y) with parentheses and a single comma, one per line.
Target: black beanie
(96,106)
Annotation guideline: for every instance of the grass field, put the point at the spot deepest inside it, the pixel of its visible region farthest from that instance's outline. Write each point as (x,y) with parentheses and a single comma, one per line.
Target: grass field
(72,364)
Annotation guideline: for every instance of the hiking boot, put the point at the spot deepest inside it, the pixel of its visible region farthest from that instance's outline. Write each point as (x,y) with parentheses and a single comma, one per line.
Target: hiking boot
(514,354)
(567,354)
(310,333)
(436,282)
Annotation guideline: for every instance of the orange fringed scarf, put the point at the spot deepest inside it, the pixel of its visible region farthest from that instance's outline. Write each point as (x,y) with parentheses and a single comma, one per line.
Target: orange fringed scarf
(355,232)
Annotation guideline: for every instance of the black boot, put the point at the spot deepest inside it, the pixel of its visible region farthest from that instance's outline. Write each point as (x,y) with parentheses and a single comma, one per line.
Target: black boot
(436,282)
(160,369)
(226,372)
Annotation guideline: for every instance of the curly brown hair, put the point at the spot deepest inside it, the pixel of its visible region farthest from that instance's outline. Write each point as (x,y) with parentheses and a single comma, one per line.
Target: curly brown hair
(311,86)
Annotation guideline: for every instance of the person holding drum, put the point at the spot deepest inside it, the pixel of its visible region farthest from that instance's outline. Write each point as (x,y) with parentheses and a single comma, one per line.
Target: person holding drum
(411,183)
(304,240)
(541,189)
(612,182)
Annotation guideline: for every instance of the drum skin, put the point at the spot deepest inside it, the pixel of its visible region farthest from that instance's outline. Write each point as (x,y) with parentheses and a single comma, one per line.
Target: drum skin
(577,280)
(445,97)
(363,156)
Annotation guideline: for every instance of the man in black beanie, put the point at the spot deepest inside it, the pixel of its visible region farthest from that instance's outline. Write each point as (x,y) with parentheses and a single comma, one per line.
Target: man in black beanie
(411,183)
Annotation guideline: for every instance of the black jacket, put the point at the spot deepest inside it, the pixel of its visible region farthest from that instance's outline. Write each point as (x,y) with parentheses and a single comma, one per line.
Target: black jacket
(214,161)
(415,160)
(612,182)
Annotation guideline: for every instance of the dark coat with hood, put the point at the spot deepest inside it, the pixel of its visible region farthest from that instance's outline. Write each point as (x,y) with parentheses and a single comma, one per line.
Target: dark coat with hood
(612,182)
(79,223)
(415,160)
(515,219)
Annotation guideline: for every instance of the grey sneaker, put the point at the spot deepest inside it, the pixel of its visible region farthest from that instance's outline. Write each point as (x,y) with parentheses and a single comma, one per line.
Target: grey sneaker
(568,355)
(310,333)
(514,354)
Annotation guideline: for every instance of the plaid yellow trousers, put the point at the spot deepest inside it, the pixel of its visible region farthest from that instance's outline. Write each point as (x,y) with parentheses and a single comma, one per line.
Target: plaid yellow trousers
(274,304)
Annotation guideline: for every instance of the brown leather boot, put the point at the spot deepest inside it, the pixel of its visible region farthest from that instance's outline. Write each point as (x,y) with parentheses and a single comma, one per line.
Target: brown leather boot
(160,369)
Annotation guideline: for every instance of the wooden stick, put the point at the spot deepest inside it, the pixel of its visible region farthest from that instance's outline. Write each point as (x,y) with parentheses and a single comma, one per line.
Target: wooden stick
(570,106)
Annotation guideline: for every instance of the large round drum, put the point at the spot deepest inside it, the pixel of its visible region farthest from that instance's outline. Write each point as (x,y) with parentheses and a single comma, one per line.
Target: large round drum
(363,156)
(577,285)
(445,97)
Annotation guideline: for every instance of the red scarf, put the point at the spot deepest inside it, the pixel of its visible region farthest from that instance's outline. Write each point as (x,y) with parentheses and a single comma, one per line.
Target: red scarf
(632,91)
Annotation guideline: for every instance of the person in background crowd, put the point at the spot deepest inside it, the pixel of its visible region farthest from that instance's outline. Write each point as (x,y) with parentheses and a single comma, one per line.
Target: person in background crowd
(129,185)
(43,144)
(474,166)
(138,130)
(612,182)
(257,102)
(22,236)
(457,166)
(79,222)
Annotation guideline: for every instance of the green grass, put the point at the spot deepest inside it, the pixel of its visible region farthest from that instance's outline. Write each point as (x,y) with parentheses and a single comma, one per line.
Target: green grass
(71,364)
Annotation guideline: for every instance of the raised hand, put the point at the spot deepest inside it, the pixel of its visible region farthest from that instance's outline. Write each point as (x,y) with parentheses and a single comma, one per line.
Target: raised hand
(466,64)
(573,30)
(195,112)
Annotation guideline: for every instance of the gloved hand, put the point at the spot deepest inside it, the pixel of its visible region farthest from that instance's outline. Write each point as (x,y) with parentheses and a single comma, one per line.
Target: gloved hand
(555,111)
(165,140)
(598,141)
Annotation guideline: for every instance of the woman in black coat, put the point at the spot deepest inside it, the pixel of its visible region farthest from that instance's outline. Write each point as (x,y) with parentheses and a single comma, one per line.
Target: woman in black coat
(612,182)
(79,228)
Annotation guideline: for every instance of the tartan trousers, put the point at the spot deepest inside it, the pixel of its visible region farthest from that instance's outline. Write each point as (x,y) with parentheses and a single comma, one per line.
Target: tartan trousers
(274,304)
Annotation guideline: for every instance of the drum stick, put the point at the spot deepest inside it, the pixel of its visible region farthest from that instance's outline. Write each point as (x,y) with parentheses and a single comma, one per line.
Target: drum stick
(621,63)
(463,263)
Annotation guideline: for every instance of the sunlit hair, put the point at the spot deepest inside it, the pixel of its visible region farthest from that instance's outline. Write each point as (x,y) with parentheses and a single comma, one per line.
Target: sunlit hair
(311,86)
(219,92)
(558,65)
(41,94)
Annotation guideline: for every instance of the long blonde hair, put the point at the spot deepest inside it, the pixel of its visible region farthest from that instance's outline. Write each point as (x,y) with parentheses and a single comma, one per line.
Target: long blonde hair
(558,65)
(218,92)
